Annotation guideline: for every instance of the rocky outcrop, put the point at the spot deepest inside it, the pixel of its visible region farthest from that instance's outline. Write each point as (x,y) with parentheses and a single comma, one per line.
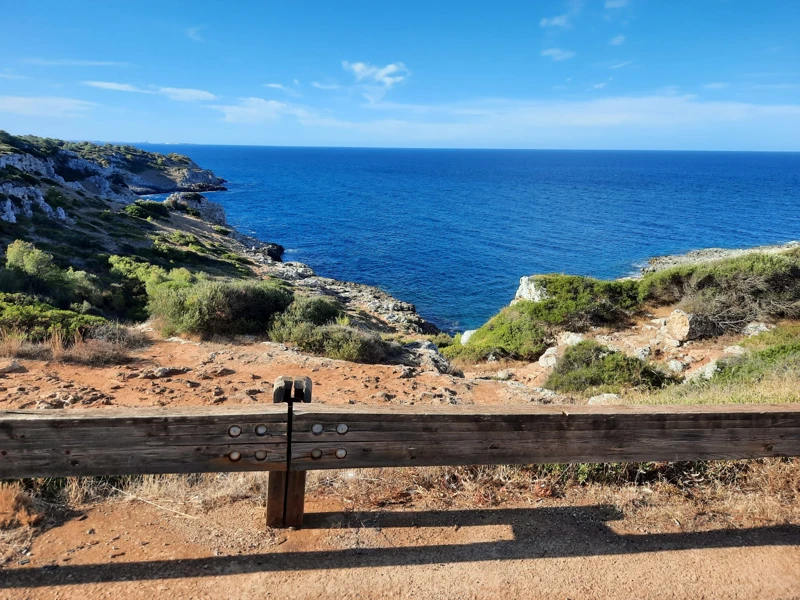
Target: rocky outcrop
(208,210)
(530,289)
(659,263)
(682,326)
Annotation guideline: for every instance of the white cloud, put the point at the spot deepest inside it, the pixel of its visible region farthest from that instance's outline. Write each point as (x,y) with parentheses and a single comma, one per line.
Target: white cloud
(617,40)
(65,62)
(620,65)
(558,54)
(557,21)
(374,81)
(44,106)
(117,87)
(386,76)
(598,86)
(193,33)
(259,111)
(717,85)
(179,94)
(5,75)
(616,3)
(296,82)
(325,86)
(286,90)
(186,94)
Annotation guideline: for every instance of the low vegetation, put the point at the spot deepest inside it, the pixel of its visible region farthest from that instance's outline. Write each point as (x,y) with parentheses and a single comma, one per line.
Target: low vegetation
(588,367)
(727,293)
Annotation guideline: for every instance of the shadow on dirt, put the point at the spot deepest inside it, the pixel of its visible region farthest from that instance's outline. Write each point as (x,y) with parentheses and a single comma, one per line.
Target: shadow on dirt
(550,532)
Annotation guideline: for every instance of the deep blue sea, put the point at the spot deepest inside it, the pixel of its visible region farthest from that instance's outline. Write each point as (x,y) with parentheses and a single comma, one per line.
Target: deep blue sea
(453,230)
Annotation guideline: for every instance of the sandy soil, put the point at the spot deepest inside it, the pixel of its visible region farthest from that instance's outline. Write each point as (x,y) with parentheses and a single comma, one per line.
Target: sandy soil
(584,545)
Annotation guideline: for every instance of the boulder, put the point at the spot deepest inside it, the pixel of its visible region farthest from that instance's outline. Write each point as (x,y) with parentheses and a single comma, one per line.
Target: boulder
(209,211)
(12,367)
(466,335)
(705,372)
(642,353)
(735,350)
(604,399)
(530,289)
(755,328)
(426,356)
(683,326)
(549,359)
(676,366)
(569,338)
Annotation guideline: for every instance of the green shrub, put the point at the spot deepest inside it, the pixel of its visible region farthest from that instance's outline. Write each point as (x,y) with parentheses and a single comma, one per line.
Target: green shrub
(756,365)
(731,292)
(143,209)
(39,320)
(340,342)
(588,365)
(225,307)
(221,230)
(304,312)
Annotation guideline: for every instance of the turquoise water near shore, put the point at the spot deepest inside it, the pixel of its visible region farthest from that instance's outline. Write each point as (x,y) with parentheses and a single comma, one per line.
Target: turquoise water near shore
(453,230)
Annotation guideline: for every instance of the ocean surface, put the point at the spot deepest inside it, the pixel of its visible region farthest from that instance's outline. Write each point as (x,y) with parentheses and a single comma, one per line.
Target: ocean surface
(452,231)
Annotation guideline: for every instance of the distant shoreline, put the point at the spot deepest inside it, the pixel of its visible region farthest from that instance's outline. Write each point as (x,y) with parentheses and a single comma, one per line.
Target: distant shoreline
(659,263)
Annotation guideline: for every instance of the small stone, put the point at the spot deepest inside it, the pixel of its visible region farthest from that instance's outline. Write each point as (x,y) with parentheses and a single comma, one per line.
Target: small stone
(12,367)
(676,366)
(735,350)
(604,399)
(671,342)
(756,327)
(549,358)
(642,353)
(569,338)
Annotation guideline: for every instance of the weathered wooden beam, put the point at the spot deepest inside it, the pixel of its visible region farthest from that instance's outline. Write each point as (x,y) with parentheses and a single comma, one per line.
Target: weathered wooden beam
(63,443)
(330,437)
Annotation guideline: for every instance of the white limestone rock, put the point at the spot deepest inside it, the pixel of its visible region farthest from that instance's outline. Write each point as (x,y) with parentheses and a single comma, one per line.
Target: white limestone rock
(549,359)
(604,399)
(530,289)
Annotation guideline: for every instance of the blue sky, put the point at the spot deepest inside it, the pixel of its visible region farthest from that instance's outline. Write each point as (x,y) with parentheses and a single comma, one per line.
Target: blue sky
(622,74)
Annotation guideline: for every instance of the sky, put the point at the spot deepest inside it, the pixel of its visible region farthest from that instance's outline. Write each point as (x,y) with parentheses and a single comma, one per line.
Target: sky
(589,74)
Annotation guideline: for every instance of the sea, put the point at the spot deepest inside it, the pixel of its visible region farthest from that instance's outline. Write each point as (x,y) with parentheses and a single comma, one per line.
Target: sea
(452,231)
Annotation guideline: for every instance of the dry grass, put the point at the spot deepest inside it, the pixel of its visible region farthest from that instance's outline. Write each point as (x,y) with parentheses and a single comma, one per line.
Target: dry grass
(775,388)
(16,507)
(91,352)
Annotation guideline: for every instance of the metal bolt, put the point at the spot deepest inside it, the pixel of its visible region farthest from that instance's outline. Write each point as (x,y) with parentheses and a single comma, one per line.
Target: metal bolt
(234,456)
(235,431)
(341,429)
(341,453)
(261,430)
(261,455)
(316,454)
(317,428)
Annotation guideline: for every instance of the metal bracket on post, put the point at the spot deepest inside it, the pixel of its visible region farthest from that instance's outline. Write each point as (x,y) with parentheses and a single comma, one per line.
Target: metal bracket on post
(286,489)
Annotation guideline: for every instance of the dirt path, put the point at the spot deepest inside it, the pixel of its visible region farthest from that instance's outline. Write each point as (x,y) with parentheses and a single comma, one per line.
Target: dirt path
(554,550)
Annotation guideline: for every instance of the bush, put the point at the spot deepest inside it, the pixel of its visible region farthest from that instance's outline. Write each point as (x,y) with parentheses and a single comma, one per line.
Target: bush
(589,365)
(143,209)
(732,292)
(756,365)
(221,230)
(340,342)
(225,307)
(118,335)
(39,320)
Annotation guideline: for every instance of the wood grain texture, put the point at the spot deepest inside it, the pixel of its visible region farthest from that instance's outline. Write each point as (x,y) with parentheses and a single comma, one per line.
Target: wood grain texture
(61,443)
(409,436)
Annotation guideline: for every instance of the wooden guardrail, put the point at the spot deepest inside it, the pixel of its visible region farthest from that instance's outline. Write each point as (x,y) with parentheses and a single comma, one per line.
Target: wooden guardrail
(288,439)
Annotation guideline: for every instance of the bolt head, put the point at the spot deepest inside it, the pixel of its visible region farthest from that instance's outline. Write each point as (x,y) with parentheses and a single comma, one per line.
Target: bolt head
(261,430)
(261,455)
(341,429)
(234,456)
(316,454)
(341,453)
(235,431)
(317,428)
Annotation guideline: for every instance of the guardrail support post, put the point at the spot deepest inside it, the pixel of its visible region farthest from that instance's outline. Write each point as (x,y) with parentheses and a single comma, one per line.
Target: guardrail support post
(286,490)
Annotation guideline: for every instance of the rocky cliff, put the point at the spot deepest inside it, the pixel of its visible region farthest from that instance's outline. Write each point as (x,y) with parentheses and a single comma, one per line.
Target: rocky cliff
(33,169)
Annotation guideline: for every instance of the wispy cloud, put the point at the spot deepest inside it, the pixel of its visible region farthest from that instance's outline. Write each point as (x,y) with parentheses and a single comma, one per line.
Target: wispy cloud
(620,65)
(260,111)
(285,89)
(599,86)
(194,33)
(325,86)
(716,85)
(10,75)
(68,62)
(616,3)
(376,81)
(774,86)
(179,94)
(617,40)
(117,87)
(44,106)
(564,21)
(557,54)
(186,94)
